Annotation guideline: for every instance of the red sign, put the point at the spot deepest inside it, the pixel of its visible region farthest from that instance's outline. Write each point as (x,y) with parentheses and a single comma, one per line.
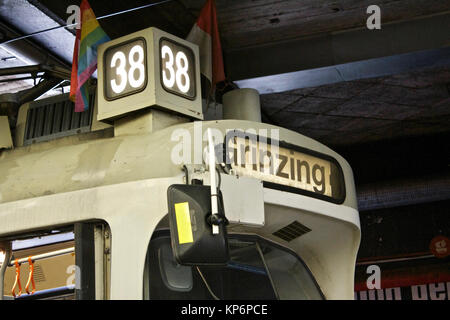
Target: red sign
(440,246)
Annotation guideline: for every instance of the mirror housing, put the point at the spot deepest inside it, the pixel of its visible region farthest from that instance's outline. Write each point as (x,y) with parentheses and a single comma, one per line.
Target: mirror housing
(193,242)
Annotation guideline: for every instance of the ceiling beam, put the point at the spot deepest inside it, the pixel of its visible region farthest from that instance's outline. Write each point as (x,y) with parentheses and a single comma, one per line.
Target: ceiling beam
(27,50)
(371,68)
(331,57)
(20,17)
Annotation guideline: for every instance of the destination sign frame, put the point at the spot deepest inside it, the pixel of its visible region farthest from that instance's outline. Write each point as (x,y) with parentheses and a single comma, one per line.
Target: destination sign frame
(191,72)
(106,69)
(337,181)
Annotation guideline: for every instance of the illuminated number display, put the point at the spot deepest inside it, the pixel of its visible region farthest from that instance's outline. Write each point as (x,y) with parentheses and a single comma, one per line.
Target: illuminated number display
(177,69)
(125,69)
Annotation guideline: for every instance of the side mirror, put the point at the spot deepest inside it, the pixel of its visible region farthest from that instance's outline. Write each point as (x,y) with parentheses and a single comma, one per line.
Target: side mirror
(193,242)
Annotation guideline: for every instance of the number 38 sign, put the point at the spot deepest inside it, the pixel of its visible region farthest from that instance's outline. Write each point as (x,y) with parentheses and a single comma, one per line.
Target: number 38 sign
(125,69)
(177,67)
(145,69)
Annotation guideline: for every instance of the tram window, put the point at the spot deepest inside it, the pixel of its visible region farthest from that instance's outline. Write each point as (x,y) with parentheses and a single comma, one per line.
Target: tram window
(175,277)
(64,262)
(52,255)
(292,280)
(247,276)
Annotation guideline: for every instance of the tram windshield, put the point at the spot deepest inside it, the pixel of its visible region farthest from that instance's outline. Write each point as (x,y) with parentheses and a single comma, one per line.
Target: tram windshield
(257,270)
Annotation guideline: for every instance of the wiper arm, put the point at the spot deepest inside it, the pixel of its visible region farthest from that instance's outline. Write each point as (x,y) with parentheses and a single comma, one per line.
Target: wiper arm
(267,270)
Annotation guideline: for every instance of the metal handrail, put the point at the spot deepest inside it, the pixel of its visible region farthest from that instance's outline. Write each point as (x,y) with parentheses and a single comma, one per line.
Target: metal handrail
(45,255)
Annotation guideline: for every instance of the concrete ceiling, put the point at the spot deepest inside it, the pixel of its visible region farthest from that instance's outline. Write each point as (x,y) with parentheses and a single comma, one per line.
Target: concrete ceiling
(408,104)
(321,72)
(247,23)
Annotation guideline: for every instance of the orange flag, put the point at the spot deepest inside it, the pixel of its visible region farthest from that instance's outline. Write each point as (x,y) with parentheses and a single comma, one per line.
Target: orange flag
(205,33)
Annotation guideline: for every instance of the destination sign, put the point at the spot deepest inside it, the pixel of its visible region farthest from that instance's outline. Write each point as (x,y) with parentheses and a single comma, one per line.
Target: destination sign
(287,167)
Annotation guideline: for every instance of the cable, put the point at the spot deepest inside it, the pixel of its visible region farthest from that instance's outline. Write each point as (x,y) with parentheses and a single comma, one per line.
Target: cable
(206,284)
(74,24)
(133,9)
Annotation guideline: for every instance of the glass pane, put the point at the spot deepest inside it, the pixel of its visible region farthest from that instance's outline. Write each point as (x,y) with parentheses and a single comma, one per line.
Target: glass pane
(291,279)
(245,276)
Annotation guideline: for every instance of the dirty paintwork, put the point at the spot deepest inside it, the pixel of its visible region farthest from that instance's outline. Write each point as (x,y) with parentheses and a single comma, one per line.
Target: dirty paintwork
(94,159)
(123,181)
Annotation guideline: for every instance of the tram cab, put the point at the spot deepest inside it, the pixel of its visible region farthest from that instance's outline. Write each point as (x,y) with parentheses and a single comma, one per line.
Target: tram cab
(115,202)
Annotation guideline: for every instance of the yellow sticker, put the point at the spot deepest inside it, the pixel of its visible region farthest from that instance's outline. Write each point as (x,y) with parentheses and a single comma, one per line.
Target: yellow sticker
(183,223)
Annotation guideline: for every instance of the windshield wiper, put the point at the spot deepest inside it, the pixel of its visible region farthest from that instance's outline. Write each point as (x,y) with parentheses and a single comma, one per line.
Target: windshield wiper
(267,270)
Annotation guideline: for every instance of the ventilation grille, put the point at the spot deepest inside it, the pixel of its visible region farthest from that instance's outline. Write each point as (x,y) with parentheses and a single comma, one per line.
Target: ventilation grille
(55,118)
(292,231)
(38,273)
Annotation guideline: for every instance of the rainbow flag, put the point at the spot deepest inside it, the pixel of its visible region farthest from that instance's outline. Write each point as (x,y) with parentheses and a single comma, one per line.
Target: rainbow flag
(91,36)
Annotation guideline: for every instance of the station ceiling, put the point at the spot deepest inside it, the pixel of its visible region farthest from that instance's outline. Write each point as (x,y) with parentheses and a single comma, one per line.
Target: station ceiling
(319,70)
(345,113)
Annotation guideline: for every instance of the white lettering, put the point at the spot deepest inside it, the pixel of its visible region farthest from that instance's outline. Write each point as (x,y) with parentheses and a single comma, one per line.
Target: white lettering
(374,20)
(374,281)
(193,310)
(74,18)
(422,295)
(437,291)
(75,276)
(181,152)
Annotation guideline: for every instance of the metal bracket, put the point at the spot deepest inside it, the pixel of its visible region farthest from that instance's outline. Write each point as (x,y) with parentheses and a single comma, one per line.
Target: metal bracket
(194,172)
